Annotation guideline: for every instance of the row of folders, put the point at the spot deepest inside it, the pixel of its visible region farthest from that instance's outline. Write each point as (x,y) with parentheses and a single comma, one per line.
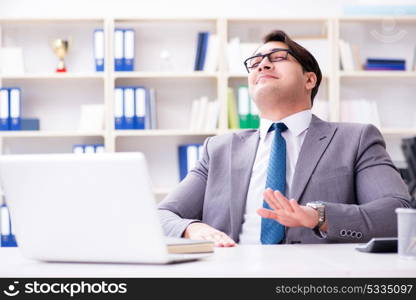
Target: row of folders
(206,57)
(124,48)
(134,108)
(10,111)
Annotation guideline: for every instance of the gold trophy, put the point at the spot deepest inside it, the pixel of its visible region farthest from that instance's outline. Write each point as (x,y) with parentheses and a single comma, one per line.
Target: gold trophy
(60,47)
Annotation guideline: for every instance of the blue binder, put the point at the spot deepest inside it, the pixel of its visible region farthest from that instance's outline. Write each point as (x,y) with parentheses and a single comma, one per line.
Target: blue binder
(89,149)
(198,51)
(29,124)
(188,156)
(15,108)
(78,149)
(118,50)
(8,239)
(129,49)
(204,48)
(140,115)
(99,148)
(118,108)
(128,108)
(4,109)
(99,50)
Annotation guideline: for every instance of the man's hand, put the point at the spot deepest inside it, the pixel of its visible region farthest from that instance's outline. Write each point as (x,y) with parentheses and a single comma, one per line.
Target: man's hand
(288,212)
(201,231)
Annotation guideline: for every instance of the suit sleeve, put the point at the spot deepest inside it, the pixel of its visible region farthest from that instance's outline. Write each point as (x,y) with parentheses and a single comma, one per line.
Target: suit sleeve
(184,204)
(379,190)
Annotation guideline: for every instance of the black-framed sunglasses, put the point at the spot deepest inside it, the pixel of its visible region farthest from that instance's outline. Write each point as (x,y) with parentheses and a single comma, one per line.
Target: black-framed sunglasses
(277,54)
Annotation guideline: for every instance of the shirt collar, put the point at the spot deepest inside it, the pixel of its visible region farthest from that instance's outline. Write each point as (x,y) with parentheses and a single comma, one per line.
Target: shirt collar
(296,123)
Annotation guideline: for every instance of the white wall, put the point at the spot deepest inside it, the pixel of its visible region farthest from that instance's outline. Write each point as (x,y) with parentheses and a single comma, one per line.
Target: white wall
(180,8)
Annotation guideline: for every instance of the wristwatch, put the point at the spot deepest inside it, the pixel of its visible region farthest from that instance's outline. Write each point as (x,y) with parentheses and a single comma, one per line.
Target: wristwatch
(319,206)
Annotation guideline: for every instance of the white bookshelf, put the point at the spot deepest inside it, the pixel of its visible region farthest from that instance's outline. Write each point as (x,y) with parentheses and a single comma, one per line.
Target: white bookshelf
(56,98)
(381,37)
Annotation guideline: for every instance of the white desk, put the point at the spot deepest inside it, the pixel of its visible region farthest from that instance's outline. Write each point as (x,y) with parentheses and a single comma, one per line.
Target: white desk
(338,260)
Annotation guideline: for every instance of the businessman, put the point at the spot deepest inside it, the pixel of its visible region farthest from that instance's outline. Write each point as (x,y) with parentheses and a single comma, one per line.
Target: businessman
(297,179)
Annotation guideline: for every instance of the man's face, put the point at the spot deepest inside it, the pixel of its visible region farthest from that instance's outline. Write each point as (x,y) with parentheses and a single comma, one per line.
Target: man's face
(282,79)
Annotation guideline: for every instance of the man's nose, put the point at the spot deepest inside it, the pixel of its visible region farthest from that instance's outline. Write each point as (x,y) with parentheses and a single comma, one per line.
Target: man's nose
(265,64)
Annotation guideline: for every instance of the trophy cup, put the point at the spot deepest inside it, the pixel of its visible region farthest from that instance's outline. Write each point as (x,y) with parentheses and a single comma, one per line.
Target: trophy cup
(60,47)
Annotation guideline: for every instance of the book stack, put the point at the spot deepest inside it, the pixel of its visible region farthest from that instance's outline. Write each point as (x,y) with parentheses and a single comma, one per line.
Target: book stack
(124,49)
(10,111)
(7,237)
(135,108)
(382,64)
(204,114)
(207,50)
(350,56)
(88,148)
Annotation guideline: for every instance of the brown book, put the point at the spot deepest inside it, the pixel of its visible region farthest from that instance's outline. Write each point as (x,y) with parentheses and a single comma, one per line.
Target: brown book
(187,246)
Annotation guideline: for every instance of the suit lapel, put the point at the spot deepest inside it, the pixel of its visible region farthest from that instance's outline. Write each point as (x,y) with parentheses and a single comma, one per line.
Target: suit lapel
(316,141)
(243,153)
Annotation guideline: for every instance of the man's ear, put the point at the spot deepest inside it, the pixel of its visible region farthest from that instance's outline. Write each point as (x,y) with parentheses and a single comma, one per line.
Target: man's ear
(310,80)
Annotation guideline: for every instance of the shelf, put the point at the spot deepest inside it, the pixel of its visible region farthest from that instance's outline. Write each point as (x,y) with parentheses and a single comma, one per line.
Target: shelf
(185,75)
(163,132)
(36,133)
(398,131)
(377,74)
(55,76)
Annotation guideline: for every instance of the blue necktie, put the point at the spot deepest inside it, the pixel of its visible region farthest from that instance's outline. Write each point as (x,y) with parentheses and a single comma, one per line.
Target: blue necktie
(272,232)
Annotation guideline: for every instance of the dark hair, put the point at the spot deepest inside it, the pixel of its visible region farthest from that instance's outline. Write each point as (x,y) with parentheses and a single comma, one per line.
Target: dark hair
(303,56)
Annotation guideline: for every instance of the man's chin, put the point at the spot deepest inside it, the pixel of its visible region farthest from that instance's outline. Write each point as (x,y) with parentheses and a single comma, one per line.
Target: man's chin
(263,90)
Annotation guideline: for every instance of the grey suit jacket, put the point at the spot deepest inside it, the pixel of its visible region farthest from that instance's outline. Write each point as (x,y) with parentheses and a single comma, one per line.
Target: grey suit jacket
(344,165)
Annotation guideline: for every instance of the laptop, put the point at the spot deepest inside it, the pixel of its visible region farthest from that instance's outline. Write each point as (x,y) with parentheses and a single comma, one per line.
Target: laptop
(85,208)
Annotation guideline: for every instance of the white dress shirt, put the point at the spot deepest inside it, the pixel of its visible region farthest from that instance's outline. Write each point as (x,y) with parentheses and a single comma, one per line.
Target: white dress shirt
(297,125)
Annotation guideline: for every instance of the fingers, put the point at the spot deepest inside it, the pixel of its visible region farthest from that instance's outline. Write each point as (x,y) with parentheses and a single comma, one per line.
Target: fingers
(267,213)
(270,198)
(277,200)
(283,202)
(201,231)
(220,239)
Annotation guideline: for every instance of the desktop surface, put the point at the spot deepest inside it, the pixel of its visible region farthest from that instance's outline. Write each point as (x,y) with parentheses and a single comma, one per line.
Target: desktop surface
(334,260)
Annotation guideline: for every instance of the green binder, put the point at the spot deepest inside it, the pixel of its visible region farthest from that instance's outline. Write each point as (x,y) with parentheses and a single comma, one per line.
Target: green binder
(247,110)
